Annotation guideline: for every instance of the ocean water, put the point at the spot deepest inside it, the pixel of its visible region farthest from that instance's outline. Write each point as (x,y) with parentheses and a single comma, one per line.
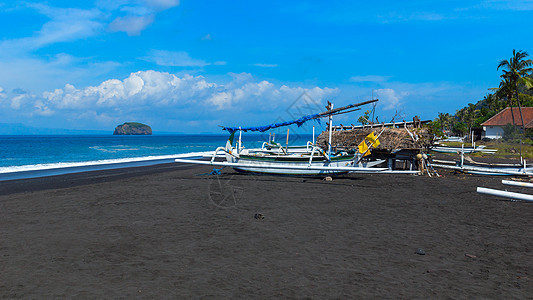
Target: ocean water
(29,156)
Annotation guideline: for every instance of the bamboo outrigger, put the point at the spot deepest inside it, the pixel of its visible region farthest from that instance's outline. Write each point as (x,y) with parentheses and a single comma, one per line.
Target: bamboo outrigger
(506,194)
(467,165)
(311,159)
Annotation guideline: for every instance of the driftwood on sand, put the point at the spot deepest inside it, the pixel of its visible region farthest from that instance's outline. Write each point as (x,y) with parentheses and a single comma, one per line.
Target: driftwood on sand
(390,139)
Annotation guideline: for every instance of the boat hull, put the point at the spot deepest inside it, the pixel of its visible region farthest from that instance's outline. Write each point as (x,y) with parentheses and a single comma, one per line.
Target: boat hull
(466,150)
(504,171)
(279,166)
(487,170)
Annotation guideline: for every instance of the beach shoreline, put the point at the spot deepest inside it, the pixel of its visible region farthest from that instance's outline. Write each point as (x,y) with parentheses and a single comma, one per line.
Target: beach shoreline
(172,231)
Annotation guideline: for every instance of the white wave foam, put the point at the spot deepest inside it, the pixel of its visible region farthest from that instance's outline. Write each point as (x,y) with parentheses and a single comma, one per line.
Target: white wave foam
(113,149)
(105,162)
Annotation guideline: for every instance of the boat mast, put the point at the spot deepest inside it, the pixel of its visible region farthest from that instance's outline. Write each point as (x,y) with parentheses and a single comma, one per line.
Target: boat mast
(240,140)
(330,107)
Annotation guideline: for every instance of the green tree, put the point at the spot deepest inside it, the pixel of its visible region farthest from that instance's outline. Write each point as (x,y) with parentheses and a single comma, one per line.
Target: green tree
(459,128)
(443,121)
(365,118)
(505,91)
(509,132)
(515,71)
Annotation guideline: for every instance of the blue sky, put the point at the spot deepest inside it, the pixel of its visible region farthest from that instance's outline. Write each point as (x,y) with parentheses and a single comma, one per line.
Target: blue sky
(189,66)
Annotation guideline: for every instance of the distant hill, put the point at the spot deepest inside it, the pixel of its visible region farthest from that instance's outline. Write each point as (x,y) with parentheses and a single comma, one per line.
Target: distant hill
(133,128)
(21,129)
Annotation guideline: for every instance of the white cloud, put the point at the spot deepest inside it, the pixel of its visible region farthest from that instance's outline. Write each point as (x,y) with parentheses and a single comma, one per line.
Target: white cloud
(42,109)
(68,25)
(71,24)
(65,25)
(390,98)
(132,25)
(51,72)
(207,37)
(160,95)
(139,14)
(162,4)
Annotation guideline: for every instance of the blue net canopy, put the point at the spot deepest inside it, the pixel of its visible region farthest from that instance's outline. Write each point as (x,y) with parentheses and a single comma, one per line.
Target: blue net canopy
(301,120)
(264,128)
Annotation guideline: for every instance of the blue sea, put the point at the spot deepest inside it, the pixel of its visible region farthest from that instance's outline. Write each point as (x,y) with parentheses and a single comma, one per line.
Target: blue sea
(29,156)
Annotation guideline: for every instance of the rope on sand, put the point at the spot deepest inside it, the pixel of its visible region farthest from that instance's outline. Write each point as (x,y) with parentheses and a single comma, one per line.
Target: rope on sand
(214,172)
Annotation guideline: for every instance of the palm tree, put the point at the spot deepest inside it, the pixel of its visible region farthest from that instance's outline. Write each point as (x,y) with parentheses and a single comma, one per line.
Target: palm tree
(493,102)
(442,122)
(515,71)
(470,115)
(505,91)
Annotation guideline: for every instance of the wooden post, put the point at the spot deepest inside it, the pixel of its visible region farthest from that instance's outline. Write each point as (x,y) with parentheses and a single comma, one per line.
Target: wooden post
(330,130)
(462,154)
(287,148)
(240,140)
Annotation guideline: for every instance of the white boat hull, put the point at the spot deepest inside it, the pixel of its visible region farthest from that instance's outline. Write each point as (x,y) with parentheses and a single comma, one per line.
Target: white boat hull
(293,168)
(466,150)
(302,169)
(488,170)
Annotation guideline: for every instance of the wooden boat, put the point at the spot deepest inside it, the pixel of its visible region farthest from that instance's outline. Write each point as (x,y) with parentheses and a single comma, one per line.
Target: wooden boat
(309,160)
(467,150)
(316,162)
(468,165)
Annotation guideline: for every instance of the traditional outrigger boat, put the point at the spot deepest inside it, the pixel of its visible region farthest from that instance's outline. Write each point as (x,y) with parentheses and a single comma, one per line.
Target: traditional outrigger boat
(310,159)
(450,149)
(467,165)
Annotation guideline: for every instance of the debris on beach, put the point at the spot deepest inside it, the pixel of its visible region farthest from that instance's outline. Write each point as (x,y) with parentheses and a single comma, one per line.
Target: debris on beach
(420,251)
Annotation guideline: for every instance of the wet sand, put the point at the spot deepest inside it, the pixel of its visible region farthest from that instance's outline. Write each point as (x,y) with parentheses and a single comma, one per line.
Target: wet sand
(163,231)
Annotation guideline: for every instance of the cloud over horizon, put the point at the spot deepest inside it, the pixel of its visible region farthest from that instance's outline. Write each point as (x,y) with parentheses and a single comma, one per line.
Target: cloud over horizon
(152,94)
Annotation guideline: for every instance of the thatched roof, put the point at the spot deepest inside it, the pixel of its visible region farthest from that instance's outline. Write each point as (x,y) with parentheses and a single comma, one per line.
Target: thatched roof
(390,138)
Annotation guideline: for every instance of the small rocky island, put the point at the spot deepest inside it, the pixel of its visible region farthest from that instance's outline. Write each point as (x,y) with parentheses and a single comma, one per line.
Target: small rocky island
(133,128)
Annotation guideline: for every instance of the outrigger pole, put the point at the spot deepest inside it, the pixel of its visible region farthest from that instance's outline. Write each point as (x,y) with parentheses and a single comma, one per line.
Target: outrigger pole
(301,120)
(336,110)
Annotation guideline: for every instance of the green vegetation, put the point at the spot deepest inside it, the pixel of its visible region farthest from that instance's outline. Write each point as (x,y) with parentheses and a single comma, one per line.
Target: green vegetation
(135,124)
(364,119)
(133,128)
(514,91)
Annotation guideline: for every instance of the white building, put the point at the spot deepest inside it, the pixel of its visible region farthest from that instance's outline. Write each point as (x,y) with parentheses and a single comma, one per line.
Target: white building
(493,127)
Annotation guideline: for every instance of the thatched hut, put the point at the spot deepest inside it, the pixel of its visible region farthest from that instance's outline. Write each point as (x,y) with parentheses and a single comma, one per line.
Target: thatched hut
(391,139)
(399,146)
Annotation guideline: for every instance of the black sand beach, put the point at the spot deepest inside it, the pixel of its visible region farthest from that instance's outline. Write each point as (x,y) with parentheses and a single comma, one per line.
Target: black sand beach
(162,231)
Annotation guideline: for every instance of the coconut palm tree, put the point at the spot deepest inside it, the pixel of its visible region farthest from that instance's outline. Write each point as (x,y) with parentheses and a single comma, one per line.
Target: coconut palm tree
(445,122)
(505,91)
(471,114)
(515,71)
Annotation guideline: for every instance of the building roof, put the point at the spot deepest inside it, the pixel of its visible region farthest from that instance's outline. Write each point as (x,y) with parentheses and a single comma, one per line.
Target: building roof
(504,117)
